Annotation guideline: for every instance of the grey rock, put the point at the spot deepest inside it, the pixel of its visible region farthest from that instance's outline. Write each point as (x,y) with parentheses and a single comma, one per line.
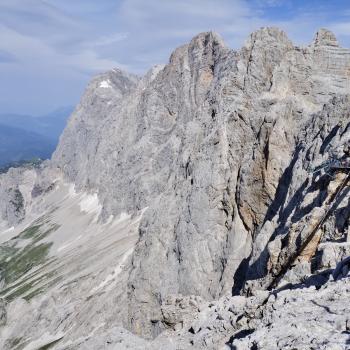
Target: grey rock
(342,268)
(217,150)
(332,253)
(324,37)
(3,313)
(302,319)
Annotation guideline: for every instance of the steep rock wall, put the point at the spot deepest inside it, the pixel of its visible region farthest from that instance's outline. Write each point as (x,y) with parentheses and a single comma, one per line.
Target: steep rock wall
(217,146)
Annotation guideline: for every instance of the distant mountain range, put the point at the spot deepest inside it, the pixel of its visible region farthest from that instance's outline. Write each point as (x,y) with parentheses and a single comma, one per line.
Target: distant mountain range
(25,137)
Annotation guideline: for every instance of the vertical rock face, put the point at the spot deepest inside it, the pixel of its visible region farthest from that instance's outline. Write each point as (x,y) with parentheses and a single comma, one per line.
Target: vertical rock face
(218,147)
(325,37)
(210,144)
(294,221)
(19,189)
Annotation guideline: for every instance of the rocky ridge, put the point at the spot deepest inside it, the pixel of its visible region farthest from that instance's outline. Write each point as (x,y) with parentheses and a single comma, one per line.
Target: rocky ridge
(211,159)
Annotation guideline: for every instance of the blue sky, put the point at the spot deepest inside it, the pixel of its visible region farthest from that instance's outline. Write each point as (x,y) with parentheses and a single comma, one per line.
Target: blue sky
(50,49)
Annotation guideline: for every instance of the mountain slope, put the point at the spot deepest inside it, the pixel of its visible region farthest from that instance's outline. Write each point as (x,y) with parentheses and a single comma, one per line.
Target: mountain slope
(171,194)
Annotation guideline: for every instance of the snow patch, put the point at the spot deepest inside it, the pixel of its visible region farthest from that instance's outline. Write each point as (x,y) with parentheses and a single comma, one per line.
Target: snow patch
(90,204)
(109,220)
(8,230)
(71,191)
(122,217)
(106,84)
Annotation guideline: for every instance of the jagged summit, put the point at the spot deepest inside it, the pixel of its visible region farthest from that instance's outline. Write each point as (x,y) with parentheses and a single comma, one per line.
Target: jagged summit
(204,47)
(171,193)
(325,37)
(206,39)
(267,35)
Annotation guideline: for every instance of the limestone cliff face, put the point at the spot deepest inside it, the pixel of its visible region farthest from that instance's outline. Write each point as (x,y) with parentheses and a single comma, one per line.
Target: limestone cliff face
(216,149)
(215,144)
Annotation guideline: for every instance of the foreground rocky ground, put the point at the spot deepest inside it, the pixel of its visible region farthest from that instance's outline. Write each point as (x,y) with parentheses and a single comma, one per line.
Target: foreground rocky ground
(301,318)
(296,317)
(204,205)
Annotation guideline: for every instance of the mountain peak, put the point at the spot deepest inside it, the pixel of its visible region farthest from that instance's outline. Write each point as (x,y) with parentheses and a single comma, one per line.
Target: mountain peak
(269,34)
(325,37)
(207,38)
(204,45)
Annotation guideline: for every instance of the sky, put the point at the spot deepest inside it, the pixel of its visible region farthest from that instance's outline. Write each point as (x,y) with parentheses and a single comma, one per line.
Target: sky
(50,49)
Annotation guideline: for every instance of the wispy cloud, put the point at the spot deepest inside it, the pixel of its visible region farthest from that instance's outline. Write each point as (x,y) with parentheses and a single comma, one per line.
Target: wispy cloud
(107,40)
(342,28)
(55,46)
(6,57)
(271,3)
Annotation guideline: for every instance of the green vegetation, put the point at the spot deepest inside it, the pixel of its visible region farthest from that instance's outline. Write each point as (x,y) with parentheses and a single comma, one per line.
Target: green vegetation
(17,263)
(25,260)
(27,289)
(35,233)
(6,252)
(30,232)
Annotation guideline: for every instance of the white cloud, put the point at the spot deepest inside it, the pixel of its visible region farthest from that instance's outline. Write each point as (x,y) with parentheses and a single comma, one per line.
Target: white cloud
(341,28)
(65,42)
(107,40)
(32,51)
(271,3)
(139,34)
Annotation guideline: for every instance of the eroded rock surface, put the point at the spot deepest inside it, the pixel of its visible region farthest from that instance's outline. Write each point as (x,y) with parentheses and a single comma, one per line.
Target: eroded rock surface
(212,161)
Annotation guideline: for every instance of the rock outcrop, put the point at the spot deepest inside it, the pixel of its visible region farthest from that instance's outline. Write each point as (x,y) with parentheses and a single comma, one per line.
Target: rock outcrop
(214,155)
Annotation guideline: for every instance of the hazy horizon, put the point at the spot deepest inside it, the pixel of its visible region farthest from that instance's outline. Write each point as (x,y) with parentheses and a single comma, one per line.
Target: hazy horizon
(49,50)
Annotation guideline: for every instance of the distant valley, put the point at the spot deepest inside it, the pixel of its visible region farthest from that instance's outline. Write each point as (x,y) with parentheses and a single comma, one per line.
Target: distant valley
(23,138)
